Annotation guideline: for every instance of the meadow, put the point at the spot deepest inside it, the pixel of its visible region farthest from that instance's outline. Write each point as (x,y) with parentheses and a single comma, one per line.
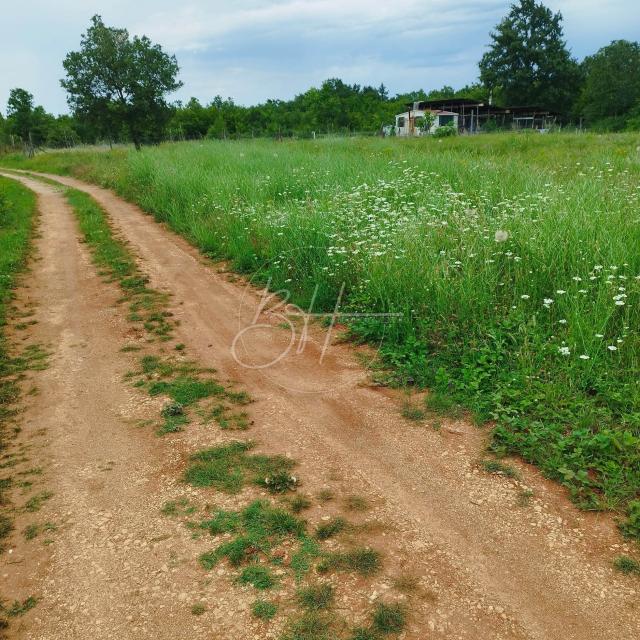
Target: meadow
(514,260)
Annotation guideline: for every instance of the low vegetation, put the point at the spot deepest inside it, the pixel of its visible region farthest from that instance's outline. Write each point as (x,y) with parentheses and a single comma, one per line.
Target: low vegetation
(264,610)
(228,467)
(627,565)
(17,206)
(17,223)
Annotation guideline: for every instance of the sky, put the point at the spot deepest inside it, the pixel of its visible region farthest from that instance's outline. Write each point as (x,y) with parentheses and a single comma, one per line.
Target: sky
(252,50)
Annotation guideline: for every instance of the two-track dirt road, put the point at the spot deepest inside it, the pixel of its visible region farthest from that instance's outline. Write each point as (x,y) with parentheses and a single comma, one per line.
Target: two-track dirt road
(494,568)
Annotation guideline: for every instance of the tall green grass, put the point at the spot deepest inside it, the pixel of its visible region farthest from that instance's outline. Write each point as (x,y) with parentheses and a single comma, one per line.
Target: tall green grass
(17,206)
(513,259)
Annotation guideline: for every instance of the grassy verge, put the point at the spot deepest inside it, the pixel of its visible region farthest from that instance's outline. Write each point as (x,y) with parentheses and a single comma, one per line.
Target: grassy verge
(17,207)
(17,215)
(512,258)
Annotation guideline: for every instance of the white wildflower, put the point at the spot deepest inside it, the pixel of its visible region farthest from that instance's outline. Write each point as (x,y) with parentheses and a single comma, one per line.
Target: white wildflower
(564,351)
(501,236)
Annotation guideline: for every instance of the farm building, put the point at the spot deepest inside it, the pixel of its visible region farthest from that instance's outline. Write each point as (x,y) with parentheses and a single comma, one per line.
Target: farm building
(412,122)
(470,116)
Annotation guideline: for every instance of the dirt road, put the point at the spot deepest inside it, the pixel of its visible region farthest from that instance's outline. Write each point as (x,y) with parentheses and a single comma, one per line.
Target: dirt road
(491,566)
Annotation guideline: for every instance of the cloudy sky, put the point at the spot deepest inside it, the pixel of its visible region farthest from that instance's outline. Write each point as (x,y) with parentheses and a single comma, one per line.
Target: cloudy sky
(257,49)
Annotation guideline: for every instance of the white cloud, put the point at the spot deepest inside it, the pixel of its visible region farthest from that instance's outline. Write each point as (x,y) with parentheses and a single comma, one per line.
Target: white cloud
(198,25)
(254,49)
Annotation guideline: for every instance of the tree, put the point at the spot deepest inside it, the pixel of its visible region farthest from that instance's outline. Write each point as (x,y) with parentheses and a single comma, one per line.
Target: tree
(20,113)
(528,62)
(115,81)
(4,132)
(612,83)
(218,126)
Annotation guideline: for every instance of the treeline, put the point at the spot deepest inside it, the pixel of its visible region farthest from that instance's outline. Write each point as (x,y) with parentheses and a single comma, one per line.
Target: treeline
(334,108)
(117,88)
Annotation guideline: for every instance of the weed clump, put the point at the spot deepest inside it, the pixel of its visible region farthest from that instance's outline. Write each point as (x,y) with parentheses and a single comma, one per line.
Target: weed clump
(310,626)
(299,503)
(264,610)
(389,618)
(364,634)
(631,528)
(411,412)
(356,503)
(6,526)
(222,522)
(228,467)
(259,528)
(364,561)
(498,468)
(316,597)
(19,608)
(329,529)
(257,576)
(326,495)
(177,507)
(627,565)
(35,502)
(442,404)
(186,390)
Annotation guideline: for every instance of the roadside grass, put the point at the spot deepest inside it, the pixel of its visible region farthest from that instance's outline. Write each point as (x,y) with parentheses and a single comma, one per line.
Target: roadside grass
(258,576)
(299,503)
(316,597)
(35,502)
(331,528)
(356,503)
(228,467)
(326,495)
(534,329)
(17,227)
(524,497)
(364,561)
(309,626)
(364,634)
(264,610)
(178,508)
(499,468)
(389,618)
(627,565)
(17,208)
(19,608)
(412,412)
(407,583)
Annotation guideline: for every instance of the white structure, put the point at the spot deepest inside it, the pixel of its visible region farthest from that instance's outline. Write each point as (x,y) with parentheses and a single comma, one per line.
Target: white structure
(412,122)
